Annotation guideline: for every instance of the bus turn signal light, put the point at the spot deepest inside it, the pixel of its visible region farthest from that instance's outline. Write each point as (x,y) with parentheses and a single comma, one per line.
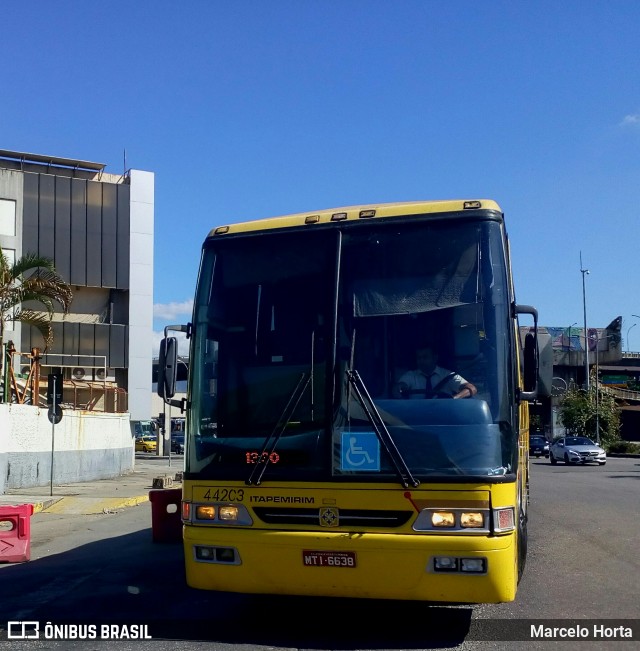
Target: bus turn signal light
(504,519)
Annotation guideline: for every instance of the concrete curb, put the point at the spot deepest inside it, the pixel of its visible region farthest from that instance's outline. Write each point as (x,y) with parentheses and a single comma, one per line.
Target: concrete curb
(92,505)
(75,505)
(43,505)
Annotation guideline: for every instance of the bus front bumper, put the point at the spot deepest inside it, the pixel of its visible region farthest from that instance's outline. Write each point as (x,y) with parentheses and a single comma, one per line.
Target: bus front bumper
(437,568)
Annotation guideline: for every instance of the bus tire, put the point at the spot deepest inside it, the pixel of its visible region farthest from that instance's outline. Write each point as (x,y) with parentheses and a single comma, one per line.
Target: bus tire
(522,514)
(522,542)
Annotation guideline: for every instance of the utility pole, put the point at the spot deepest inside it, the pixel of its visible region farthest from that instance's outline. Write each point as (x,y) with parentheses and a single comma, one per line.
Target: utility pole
(628,347)
(628,331)
(584,272)
(598,388)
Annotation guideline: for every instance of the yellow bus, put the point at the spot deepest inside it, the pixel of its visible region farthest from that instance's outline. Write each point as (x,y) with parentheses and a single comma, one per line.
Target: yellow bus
(306,471)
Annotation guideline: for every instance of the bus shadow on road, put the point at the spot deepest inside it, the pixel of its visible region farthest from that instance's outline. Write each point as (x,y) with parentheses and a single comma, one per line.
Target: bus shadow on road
(131,580)
(344,624)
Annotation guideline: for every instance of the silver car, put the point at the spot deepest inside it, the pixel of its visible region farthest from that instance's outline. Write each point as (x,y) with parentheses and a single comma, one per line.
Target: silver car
(576,449)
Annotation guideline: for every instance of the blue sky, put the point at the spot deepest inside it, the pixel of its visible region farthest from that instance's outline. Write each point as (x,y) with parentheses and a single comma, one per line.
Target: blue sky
(249,109)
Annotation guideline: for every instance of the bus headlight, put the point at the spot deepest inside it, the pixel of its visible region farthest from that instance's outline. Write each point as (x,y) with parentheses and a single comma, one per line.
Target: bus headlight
(443,519)
(206,512)
(221,514)
(228,513)
(453,520)
(472,519)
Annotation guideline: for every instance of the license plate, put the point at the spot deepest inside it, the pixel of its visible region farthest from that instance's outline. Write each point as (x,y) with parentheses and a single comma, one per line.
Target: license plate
(316,558)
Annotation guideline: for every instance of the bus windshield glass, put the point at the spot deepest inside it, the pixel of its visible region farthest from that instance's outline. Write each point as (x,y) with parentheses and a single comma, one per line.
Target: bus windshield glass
(300,339)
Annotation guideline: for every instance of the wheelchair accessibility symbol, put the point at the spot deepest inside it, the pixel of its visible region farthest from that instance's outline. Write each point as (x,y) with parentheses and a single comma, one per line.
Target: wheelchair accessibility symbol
(360,451)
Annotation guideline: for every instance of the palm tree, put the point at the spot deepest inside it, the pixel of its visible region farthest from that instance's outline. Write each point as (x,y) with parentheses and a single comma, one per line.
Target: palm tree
(31,278)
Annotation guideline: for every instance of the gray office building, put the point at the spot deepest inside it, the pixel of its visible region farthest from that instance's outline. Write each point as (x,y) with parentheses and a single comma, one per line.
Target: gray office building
(98,228)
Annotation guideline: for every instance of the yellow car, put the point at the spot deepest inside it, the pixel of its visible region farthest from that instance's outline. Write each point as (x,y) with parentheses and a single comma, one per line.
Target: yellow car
(146,444)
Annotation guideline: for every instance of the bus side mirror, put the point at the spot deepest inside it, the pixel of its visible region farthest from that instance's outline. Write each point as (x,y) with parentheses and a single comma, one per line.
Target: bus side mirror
(530,358)
(167,368)
(545,365)
(530,366)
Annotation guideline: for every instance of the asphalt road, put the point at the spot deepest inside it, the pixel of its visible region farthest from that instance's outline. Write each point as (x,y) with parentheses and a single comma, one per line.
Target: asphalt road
(583,564)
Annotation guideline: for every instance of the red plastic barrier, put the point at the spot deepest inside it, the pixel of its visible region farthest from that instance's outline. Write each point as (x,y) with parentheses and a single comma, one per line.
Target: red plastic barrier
(15,533)
(166,523)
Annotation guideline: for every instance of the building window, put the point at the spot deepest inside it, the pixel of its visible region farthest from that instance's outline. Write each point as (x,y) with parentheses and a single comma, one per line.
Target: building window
(7,217)
(10,255)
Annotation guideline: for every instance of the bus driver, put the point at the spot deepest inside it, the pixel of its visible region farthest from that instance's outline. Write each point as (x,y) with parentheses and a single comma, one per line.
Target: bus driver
(429,380)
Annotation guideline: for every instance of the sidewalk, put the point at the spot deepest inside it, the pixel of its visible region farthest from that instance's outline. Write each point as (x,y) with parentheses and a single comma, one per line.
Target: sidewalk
(101,495)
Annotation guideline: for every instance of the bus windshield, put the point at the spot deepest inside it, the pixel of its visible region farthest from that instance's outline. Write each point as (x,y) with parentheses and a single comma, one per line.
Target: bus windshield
(300,339)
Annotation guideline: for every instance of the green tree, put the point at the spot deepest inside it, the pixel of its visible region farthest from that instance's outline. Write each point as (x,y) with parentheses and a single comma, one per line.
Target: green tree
(580,414)
(32,278)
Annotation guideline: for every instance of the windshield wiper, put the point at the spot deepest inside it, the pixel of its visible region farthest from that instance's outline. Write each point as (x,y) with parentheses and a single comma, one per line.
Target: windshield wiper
(383,434)
(272,439)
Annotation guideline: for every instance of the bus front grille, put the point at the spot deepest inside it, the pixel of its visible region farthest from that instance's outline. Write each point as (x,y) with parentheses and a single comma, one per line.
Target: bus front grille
(346,517)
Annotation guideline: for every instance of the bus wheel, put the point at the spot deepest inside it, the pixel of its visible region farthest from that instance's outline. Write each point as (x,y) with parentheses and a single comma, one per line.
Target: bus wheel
(522,542)
(522,528)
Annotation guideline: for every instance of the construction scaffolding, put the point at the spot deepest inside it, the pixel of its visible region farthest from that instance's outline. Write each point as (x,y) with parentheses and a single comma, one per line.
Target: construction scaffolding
(28,385)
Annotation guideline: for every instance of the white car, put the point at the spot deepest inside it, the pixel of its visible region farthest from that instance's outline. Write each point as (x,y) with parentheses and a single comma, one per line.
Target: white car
(576,449)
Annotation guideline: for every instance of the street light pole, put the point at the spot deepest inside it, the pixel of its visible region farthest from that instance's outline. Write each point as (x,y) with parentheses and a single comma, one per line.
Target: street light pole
(584,309)
(636,317)
(597,389)
(629,330)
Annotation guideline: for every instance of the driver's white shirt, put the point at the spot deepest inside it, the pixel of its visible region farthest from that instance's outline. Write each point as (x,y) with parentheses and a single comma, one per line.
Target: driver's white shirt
(416,381)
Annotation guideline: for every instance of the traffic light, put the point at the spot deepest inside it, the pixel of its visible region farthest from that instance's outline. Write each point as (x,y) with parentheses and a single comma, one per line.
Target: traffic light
(54,382)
